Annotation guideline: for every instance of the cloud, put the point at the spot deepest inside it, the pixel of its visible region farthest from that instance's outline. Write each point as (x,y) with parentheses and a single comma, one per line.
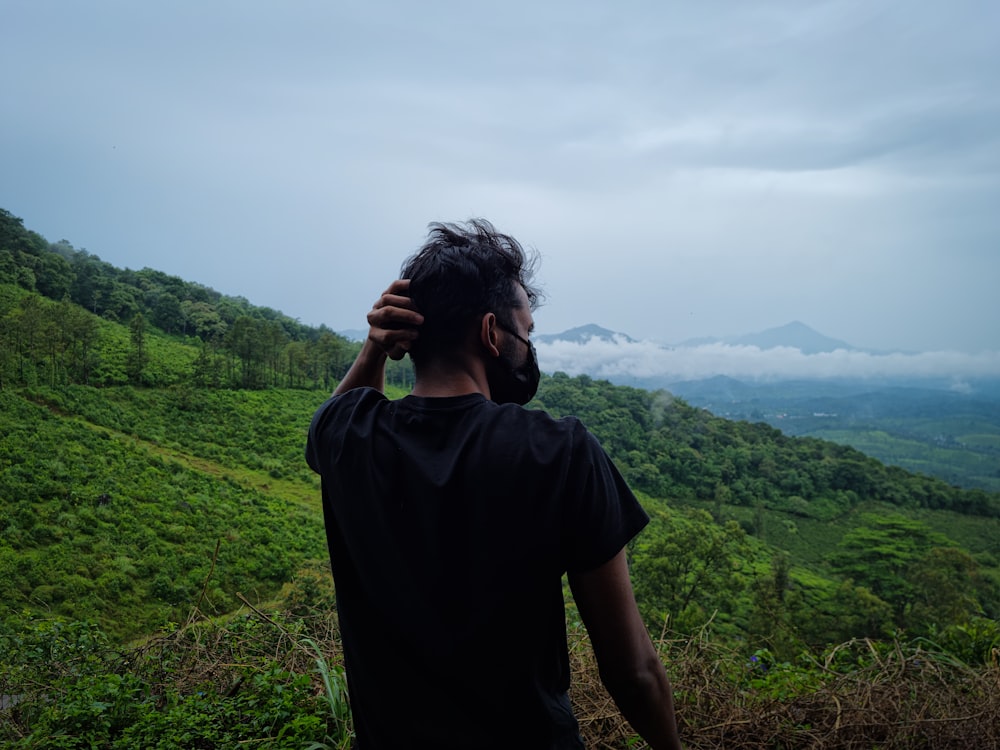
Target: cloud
(685,169)
(648,360)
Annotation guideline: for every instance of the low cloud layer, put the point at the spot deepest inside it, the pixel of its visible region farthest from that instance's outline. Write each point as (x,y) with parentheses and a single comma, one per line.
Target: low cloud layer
(615,360)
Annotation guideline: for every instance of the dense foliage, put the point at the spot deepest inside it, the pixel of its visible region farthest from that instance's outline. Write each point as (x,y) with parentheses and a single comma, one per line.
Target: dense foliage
(791,541)
(56,303)
(668,449)
(114,500)
(103,525)
(250,681)
(950,431)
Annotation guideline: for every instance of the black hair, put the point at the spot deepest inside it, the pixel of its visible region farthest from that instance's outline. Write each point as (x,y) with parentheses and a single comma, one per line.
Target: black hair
(461,273)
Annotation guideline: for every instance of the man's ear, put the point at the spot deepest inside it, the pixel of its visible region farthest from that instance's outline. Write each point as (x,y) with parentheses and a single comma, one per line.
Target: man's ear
(488,334)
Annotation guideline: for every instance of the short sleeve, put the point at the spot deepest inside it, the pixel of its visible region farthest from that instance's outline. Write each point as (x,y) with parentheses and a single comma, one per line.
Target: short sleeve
(601,513)
(331,421)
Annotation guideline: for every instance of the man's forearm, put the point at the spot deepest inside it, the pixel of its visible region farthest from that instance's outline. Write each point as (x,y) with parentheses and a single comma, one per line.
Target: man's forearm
(368,370)
(629,664)
(647,703)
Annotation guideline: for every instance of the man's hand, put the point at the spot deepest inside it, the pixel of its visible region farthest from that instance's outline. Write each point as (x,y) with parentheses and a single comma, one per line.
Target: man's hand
(394,321)
(393,327)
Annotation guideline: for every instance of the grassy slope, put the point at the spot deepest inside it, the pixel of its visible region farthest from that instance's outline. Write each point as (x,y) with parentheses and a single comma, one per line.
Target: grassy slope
(233,461)
(118,504)
(125,521)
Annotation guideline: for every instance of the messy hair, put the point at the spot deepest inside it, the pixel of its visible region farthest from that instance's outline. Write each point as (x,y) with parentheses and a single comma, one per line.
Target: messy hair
(461,273)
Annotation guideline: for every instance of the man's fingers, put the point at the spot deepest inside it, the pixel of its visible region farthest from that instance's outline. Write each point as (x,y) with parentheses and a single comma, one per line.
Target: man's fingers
(395,308)
(394,321)
(396,295)
(395,342)
(394,317)
(394,300)
(393,336)
(399,350)
(399,286)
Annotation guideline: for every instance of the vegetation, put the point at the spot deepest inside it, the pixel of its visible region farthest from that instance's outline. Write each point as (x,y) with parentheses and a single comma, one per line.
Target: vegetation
(668,449)
(253,679)
(107,526)
(276,681)
(163,566)
(940,431)
(970,458)
(57,306)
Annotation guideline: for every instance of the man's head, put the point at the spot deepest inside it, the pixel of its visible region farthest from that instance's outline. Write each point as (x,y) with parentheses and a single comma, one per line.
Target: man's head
(463,273)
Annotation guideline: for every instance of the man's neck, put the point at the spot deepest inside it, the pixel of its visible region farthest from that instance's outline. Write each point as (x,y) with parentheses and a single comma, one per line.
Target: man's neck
(443,380)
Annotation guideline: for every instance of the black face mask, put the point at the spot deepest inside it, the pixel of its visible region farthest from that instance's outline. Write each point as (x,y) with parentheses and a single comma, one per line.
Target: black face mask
(515,384)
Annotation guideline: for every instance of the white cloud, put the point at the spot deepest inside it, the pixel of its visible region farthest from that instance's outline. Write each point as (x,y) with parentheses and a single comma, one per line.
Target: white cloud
(645,359)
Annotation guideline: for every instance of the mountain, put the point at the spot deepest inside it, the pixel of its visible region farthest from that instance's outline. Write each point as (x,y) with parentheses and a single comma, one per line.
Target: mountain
(583,334)
(794,335)
(354,334)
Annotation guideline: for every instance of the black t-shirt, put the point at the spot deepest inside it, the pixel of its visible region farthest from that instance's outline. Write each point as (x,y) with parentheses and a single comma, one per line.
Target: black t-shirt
(450,522)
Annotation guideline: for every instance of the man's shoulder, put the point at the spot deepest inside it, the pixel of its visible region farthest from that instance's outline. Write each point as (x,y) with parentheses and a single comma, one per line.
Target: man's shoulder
(352,398)
(338,408)
(538,418)
(539,427)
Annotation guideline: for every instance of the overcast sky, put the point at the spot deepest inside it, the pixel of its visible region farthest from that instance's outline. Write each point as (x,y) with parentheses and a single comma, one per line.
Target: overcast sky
(684,169)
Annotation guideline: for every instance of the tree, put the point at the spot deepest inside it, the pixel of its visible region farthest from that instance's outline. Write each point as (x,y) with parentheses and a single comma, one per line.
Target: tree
(26,323)
(203,319)
(122,302)
(685,567)
(54,276)
(880,555)
(208,365)
(770,616)
(80,331)
(137,356)
(945,583)
(297,358)
(245,340)
(167,314)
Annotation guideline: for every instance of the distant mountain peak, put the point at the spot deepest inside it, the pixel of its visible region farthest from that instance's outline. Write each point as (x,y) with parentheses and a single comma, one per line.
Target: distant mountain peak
(583,334)
(794,335)
(353,334)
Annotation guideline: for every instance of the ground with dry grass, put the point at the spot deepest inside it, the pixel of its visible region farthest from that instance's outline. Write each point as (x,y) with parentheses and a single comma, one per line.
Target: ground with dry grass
(859,695)
(274,680)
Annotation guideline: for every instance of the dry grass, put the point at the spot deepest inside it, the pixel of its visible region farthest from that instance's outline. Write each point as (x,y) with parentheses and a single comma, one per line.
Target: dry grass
(862,695)
(205,653)
(892,698)
(898,699)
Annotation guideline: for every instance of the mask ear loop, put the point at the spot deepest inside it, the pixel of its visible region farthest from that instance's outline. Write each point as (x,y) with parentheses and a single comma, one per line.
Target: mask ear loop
(516,335)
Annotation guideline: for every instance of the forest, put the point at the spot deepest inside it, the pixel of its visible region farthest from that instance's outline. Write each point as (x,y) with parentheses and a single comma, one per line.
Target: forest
(948,428)
(163,568)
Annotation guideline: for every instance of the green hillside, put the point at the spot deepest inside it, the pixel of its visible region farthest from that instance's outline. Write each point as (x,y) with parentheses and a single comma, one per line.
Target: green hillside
(122,524)
(921,426)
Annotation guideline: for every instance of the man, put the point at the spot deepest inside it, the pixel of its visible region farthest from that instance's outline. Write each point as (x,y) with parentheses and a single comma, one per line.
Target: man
(453,513)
